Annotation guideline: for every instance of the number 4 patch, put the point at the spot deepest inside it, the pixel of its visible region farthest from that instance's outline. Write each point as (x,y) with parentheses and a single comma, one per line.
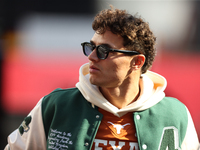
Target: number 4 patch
(169,140)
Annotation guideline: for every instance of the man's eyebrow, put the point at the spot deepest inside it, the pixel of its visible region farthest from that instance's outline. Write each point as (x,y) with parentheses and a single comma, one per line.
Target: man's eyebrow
(105,44)
(92,42)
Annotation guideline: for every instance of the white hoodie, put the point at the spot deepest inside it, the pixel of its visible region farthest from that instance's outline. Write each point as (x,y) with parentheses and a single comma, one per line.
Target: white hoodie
(152,86)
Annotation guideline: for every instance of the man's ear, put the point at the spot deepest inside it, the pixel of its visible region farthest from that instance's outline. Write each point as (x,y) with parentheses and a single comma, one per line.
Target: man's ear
(138,61)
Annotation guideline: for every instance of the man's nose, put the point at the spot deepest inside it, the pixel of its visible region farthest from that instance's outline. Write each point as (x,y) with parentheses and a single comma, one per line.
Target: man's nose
(93,56)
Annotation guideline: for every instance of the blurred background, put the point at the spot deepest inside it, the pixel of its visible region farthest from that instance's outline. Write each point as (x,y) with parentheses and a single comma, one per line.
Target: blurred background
(40,50)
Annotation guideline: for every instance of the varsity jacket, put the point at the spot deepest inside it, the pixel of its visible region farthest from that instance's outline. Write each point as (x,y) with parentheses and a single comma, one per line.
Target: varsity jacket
(69,119)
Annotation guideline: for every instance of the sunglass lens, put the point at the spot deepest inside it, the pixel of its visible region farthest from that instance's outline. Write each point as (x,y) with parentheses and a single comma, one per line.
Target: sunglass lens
(102,52)
(88,49)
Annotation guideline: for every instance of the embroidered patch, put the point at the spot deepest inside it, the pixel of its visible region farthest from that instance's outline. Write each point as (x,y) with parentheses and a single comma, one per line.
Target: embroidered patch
(24,125)
(170,139)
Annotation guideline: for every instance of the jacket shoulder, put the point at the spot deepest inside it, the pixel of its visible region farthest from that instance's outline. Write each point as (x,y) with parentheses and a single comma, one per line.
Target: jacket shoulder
(59,102)
(170,109)
(170,103)
(60,95)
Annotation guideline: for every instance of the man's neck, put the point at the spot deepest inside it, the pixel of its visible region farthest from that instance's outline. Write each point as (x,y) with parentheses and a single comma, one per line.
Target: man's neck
(121,96)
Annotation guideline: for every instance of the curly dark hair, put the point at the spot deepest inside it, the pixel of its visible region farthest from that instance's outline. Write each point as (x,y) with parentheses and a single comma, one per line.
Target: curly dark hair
(135,32)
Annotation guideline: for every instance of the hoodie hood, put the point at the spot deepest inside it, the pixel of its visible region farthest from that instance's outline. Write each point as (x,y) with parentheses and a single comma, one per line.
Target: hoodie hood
(152,87)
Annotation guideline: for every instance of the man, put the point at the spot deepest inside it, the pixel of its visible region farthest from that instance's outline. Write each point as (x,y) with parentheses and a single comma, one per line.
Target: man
(117,103)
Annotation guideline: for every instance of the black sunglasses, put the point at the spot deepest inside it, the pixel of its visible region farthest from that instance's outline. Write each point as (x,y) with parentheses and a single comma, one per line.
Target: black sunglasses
(102,50)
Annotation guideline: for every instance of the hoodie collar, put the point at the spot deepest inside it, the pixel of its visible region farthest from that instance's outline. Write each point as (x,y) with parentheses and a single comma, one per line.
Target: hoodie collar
(152,87)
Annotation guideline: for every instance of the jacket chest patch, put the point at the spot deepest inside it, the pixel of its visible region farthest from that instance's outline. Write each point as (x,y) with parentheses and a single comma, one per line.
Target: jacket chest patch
(59,140)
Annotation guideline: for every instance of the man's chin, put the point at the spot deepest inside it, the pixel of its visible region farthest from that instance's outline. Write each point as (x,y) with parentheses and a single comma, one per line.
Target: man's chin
(93,81)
